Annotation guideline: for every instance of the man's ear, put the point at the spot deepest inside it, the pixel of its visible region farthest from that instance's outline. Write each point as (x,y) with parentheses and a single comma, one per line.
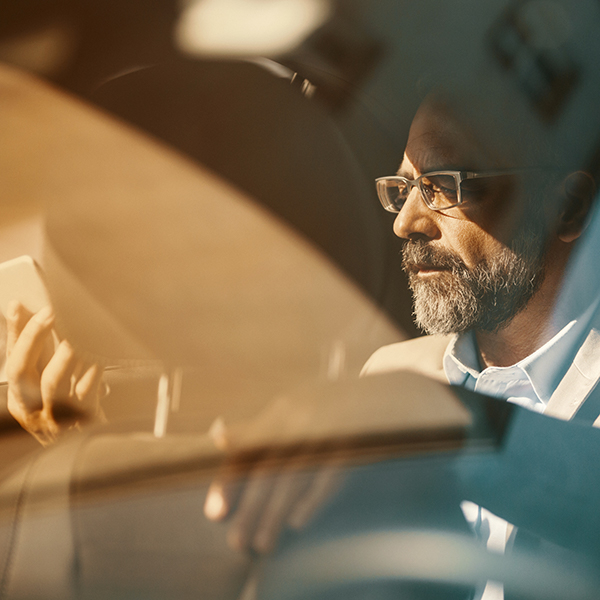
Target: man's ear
(579,190)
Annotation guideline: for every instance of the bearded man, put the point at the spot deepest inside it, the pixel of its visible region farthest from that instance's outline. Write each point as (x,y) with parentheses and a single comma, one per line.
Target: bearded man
(487,241)
(488,234)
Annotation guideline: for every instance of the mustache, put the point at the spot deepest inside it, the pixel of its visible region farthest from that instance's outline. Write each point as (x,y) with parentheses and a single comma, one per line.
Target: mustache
(420,253)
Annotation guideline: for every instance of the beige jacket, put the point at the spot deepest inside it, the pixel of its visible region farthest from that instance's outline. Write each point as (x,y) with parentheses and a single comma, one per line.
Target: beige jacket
(422,355)
(425,355)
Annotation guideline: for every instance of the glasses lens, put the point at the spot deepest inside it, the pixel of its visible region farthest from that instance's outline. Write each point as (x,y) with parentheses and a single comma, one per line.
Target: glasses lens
(392,193)
(439,191)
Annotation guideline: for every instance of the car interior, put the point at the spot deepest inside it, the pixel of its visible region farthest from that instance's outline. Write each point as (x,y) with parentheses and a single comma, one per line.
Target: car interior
(196,183)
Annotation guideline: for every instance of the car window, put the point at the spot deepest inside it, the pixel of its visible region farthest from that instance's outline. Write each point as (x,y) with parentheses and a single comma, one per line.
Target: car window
(264,374)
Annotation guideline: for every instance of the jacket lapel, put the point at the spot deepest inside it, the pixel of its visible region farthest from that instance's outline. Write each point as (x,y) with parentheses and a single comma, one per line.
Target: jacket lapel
(579,381)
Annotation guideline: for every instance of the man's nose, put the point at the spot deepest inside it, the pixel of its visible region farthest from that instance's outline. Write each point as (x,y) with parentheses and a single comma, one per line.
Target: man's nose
(415,220)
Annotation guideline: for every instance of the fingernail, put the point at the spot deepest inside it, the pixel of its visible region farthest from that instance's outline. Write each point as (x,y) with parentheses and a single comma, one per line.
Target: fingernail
(215,507)
(44,315)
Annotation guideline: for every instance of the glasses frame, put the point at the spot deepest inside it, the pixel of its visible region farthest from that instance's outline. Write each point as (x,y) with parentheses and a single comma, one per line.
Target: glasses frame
(459,177)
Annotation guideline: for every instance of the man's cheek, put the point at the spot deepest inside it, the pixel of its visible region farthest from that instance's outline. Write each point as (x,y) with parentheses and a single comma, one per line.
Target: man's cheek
(478,248)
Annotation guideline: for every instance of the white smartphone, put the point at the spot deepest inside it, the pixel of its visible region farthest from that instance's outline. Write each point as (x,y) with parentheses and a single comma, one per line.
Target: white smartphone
(22,279)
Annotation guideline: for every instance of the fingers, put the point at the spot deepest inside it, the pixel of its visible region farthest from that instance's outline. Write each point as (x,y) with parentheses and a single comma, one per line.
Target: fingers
(325,484)
(42,426)
(225,490)
(218,433)
(36,383)
(269,499)
(286,491)
(241,532)
(73,383)
(16,318)
(224,493)
(216,505)
(27,341)
(55,381)
(272,501)
(88,387)
(27,336)
(221,494)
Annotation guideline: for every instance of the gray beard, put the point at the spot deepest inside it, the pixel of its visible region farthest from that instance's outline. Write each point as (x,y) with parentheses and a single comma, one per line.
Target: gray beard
(484,298)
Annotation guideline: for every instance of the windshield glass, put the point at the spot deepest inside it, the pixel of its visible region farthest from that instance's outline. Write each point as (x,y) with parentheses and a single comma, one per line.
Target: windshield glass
(293,280)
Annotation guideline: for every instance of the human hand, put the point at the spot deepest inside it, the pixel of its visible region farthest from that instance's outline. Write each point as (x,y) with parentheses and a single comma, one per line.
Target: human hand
(280,490)
(44,374)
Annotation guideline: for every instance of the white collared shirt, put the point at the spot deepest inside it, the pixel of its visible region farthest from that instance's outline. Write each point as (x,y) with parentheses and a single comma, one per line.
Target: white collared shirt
(529,383)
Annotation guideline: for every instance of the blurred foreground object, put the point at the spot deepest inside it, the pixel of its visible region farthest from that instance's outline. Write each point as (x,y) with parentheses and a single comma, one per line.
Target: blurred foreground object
(150,256)
(50,390)
(247,27)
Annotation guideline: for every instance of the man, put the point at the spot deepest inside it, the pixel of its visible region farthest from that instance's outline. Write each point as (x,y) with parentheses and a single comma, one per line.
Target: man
(487,242)
(478,229)
(475,269)
(486,257)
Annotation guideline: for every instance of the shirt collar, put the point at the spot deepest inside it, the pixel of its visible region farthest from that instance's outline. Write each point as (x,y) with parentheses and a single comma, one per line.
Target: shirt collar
(461,358)
(544,368)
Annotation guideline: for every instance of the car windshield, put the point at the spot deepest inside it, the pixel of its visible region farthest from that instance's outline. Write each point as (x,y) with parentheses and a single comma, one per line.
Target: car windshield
(299,299)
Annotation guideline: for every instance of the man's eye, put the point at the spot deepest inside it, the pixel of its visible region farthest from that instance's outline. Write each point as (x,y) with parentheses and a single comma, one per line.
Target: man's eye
(402,188)
(444,185)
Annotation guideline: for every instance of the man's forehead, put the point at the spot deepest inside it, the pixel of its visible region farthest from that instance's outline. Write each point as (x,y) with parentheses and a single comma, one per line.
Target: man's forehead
(407,169)
(430,158)
(428,154)
(438,140)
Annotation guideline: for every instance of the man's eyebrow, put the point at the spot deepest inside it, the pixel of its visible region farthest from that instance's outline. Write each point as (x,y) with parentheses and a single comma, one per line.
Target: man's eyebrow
(406,175)
(434,158)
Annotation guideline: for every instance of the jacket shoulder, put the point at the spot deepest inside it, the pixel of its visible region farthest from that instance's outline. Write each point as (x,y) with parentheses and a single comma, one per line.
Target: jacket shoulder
(423,355)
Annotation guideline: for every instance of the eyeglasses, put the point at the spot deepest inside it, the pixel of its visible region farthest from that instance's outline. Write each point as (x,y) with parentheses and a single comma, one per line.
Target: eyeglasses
(440,190)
